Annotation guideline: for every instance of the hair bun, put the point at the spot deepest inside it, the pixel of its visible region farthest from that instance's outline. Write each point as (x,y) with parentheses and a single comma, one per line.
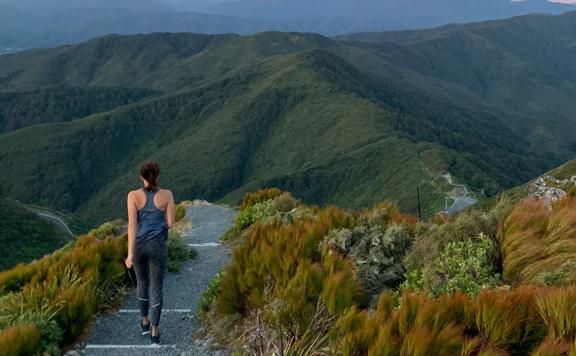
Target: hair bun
(150,172)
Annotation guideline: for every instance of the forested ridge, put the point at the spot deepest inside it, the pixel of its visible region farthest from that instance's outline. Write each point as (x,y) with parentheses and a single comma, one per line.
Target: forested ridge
(61,104)
(350,120)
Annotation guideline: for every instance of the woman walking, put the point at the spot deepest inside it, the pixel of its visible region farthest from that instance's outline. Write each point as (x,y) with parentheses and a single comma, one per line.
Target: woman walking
(150,216)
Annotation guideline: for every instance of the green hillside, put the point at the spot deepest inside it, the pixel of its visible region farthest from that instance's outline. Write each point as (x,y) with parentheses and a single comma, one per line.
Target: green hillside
(561,173)
(23,109)
(524,65)
(25,236)
(349,121)
(565,171)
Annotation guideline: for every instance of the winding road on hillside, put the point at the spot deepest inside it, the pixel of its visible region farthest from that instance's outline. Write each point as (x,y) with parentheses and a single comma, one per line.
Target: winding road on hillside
(460,195)
(53,219)
(56,221)
(119,334)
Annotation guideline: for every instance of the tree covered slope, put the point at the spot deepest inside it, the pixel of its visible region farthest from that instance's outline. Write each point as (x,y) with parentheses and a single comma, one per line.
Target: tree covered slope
(349,121)
(25,236)
(57,104)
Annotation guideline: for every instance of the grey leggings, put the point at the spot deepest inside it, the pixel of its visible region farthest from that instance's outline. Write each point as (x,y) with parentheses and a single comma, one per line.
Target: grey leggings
(149,264)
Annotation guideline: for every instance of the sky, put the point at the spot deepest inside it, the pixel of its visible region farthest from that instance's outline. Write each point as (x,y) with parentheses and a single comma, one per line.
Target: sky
(211,2)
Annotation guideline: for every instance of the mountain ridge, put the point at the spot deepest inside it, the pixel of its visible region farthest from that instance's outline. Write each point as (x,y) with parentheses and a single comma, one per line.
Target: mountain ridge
(67,22)
(348,121)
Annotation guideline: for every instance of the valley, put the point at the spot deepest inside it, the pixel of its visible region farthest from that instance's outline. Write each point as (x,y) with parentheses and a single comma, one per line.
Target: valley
(348,121)
(375,193)
(28,235)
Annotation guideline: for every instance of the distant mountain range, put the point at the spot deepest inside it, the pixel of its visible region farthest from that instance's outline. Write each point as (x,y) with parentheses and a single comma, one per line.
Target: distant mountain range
(54,6)
(349,120)
(389,13)
(34,23)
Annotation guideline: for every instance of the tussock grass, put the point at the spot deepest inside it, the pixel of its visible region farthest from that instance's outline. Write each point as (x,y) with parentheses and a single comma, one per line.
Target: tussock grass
(558,310)
(538,242)
(282,269)
(50,302)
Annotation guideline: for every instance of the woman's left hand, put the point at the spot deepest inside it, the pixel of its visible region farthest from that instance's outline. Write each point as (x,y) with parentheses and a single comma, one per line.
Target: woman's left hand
(128,261)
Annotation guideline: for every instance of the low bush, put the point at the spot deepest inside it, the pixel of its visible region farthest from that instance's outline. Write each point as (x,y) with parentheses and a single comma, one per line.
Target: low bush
(256,213)
(259,197)
(180,212)
(430,239)
(263,207)
(462,266)
(377,252)
(178,252)
(105,230)
(285,202)
(209,295)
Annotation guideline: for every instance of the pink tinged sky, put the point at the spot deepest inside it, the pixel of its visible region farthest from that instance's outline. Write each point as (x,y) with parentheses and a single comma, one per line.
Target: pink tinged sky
(565,1)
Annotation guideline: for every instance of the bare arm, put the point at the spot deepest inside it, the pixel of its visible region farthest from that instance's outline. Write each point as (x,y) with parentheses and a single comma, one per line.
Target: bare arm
(170,211)
(132,226)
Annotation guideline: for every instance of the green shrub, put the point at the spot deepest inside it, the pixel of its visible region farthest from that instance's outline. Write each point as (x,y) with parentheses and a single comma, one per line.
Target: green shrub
(377,252)
(265,211)
(261,212)
(105,230)
(285,202)
(209,295)
(558,277)
(431,239)
(259,197)
(180,212)
(178,252)
(461,267)
(383,214)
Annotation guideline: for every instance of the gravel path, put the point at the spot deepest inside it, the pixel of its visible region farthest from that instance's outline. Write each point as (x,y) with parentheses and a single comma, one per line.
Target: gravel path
(119,334)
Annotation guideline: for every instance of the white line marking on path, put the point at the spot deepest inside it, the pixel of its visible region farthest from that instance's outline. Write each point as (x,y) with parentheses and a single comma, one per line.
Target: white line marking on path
(207,244)
(163,310)
(91,346)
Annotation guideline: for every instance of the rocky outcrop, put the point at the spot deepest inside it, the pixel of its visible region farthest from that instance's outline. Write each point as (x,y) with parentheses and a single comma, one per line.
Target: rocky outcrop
(551,189)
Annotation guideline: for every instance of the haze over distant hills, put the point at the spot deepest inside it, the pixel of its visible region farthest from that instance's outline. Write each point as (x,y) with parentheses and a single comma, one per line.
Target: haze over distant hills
(389,13)
(43,23)
(349,120)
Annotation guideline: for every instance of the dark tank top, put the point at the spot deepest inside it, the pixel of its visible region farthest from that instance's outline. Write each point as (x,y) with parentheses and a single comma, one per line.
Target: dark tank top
(151,220)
